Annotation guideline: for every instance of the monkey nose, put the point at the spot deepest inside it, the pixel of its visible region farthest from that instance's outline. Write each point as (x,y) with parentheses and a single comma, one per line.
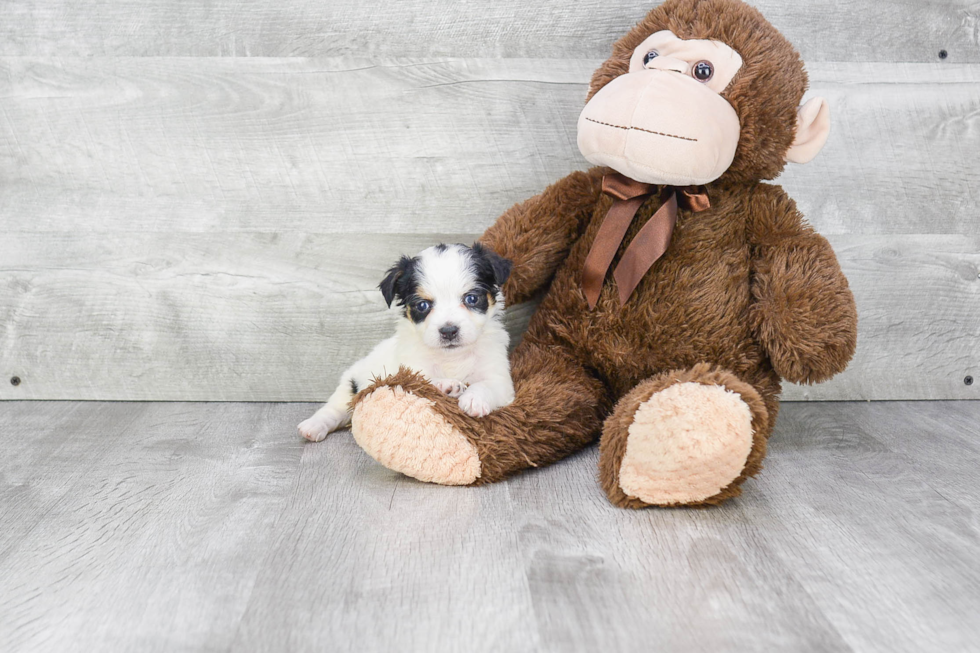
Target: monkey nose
(449,331)
(667,63)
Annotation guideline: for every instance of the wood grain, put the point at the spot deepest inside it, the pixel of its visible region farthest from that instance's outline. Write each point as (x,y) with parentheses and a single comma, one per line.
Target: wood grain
(337,145)
(367,146)
(918,300)
(823,30)
(365,558)
(203,527)
(145,521)
(213,228)
(861,503)
(901,156)
(40,466)
(277,317)
(209,315)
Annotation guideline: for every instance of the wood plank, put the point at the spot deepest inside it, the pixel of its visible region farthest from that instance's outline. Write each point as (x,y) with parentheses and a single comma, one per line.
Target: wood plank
(277,317)
(823,30)
(865,531)
(901,157)
(150,543)
(204,527)
(41,463)
(918,300)
(604,580)
(206,316)
(366,559)
(298,145)
(186,194)
(940,442)
(367,146)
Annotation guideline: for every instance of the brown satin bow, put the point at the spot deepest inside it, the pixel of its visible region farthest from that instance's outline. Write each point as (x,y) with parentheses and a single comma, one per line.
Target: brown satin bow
(650,242)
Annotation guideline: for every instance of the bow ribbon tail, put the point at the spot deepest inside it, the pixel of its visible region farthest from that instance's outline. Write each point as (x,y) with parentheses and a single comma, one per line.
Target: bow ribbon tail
(653,239)
(628,195)
(647,246)
(607,241)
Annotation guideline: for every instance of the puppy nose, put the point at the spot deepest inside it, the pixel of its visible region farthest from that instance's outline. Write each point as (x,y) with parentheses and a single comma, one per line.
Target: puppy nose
(449,331)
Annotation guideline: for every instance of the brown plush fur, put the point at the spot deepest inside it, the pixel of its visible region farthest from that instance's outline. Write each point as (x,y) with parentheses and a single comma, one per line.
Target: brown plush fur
(803,310)
(745,293)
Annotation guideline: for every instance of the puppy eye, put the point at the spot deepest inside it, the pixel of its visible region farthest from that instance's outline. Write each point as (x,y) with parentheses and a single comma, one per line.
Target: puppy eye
(423,306)
(650,56)
(471,299)
(703,71)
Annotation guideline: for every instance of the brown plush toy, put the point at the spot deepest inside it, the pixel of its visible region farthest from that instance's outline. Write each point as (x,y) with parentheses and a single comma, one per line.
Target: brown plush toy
(677,288)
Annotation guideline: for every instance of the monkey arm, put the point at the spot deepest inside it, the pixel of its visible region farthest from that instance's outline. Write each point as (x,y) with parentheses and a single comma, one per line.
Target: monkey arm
(537,233)
(803,311)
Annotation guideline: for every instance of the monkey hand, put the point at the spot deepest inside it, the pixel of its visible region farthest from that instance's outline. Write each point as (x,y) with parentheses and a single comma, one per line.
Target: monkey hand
(804,313)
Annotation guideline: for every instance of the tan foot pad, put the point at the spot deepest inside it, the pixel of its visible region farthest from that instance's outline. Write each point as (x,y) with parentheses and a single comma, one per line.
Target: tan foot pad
(403,432)
(686,443)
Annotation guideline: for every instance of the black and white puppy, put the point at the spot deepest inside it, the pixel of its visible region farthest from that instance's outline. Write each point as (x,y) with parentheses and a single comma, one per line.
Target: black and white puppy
(451,332)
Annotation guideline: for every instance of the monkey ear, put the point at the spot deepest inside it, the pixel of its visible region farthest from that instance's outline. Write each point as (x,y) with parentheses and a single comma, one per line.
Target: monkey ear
(812,129)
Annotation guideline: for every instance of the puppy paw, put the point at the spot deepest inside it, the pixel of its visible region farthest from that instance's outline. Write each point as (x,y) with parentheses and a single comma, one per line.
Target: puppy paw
(475,402)
(323,422)
(451,387)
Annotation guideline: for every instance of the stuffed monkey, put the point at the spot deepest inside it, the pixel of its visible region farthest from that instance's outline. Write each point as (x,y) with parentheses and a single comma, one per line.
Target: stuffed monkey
(677,288)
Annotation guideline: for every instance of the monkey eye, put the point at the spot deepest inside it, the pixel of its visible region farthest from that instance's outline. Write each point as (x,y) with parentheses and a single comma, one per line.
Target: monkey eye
(703,71)
(650,56)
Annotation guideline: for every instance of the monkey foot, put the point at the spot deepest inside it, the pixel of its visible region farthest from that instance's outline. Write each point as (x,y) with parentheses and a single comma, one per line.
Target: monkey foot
(685,444)
(403,431)
(688,443)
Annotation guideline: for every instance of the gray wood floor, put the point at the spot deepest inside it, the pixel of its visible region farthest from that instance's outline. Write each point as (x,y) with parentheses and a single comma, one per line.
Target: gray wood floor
(181,526)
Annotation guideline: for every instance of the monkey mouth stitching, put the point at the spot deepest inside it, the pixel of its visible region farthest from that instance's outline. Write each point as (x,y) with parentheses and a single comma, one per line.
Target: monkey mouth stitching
(649,131)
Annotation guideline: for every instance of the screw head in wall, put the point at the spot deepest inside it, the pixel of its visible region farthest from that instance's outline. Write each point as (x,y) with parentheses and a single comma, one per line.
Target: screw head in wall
(15,380)
(968,380)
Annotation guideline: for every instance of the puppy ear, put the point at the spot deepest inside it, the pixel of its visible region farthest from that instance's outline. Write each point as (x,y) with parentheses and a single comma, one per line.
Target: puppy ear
(387,285)
(501,266)
(390,286)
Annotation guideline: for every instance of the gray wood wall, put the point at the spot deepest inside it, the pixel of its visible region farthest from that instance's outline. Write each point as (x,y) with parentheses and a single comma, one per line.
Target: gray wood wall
(197,200)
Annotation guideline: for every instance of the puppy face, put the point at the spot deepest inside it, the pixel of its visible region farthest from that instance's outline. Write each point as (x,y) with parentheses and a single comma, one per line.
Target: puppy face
(449,292)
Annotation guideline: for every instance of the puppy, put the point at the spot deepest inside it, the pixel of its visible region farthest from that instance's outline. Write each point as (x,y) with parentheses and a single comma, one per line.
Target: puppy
(451,332)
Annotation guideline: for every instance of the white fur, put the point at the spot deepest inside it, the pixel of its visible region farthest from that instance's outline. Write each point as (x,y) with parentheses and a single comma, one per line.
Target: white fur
(473,368)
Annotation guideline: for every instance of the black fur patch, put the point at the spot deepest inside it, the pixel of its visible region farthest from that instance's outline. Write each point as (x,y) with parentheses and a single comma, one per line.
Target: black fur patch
(483,300)
(413,308)
(491,272)
(353,386)
(400,281)
(490,267)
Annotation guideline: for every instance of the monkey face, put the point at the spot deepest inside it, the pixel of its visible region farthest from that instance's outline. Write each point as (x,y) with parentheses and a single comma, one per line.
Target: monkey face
(665,121)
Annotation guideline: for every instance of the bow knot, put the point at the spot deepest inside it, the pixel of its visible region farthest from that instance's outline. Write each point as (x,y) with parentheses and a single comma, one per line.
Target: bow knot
(650,242)
(621,187)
